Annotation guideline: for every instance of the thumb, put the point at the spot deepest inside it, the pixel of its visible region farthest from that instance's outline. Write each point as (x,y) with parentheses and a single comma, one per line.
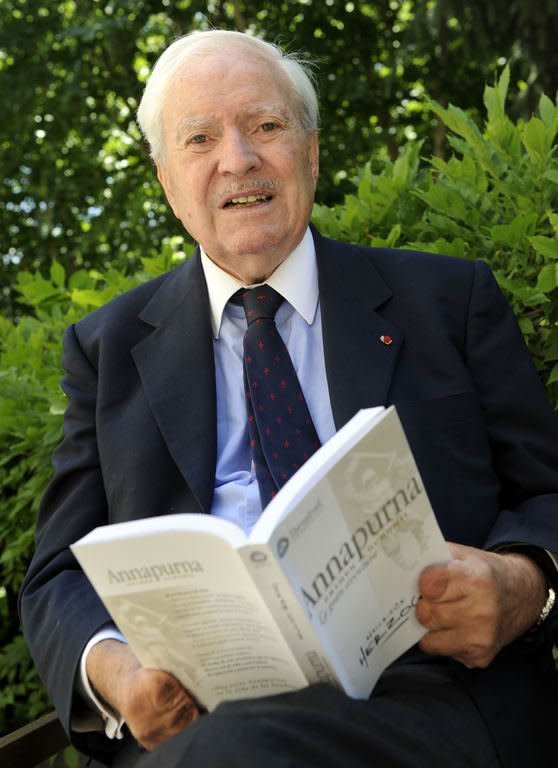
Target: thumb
(433,581)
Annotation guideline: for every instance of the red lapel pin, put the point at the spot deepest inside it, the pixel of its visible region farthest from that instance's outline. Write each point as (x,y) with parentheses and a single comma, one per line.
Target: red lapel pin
(387,340)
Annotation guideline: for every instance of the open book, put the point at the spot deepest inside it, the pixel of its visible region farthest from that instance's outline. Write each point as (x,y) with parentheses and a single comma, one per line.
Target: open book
(323,589)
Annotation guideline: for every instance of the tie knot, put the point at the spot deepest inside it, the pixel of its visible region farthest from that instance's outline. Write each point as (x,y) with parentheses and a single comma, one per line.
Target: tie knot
(261,302)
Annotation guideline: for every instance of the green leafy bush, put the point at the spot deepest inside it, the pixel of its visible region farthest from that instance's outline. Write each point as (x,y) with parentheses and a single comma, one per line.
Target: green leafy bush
(495,198)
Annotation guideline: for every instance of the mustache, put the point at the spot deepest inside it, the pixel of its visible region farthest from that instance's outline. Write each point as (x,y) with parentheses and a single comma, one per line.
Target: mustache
(260,185)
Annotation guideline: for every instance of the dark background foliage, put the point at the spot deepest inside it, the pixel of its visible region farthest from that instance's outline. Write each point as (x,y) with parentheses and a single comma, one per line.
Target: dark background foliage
(77,183)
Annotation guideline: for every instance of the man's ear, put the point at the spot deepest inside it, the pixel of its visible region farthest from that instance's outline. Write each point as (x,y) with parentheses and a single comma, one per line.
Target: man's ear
(314,156)
(163,177)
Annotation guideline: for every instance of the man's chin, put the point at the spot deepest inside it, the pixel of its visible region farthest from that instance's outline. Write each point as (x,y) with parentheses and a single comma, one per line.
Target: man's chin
(252,268)
(251,259)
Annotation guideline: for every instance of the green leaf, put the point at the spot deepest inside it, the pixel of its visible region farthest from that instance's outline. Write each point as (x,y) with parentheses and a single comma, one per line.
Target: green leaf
(387,242)
(445,200)
(458,120)
(37,290)
(526,326)
(81,279)
(511,234)
(495,98)
(87,298)
(549,114)
(71,758)
(551,352)
(503,85)
(57,274)
(546,246)
(546,281)
(551,175)
(536,139)
(525,294)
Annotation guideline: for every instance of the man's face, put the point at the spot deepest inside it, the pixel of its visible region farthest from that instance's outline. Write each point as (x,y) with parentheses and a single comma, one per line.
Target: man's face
(239,171)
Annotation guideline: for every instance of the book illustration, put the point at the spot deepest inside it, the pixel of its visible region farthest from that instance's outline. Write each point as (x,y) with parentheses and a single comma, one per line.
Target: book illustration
(406,545)
(158,633)
(379,488)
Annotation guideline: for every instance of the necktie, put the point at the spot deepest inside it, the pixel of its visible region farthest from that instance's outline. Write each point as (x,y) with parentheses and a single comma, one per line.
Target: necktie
(282,435)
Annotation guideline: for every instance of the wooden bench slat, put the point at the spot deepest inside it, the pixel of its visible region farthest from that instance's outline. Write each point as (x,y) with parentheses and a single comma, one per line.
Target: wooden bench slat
(33,743)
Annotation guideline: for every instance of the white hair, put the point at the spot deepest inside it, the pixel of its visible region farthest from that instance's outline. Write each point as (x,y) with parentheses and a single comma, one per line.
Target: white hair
(295,68)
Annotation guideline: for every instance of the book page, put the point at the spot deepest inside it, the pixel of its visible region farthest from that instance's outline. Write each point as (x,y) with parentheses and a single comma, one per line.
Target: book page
(186,604)
(353,549)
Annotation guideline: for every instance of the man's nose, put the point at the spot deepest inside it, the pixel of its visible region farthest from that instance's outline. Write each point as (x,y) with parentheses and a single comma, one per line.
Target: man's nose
(238,154)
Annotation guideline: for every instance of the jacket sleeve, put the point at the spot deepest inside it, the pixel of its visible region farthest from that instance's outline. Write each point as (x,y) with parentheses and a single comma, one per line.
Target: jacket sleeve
(522,426)
(59,609)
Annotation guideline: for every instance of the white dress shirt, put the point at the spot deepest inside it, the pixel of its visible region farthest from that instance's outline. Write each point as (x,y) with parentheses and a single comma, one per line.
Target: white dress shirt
(298,321)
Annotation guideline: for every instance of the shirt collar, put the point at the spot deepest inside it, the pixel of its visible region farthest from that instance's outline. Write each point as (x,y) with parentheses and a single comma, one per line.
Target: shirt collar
(296,279)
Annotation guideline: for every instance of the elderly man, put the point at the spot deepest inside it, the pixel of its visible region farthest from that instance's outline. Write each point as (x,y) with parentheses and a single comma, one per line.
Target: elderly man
(157,422)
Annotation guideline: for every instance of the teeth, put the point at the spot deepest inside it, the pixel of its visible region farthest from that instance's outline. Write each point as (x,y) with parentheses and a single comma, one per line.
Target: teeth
(249,199)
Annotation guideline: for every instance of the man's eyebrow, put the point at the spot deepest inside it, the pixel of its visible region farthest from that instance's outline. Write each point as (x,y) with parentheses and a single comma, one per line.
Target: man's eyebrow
(193,125)
(269,109)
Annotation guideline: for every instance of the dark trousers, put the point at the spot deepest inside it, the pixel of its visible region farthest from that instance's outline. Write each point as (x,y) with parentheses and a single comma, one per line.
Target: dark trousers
(418,716)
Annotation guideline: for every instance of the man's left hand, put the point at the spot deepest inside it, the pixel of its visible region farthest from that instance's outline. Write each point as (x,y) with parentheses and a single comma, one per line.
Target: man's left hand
(478,602)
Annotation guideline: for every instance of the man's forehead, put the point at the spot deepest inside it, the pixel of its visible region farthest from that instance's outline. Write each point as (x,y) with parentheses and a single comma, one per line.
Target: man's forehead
(207,71)
(202,61)
(209,88)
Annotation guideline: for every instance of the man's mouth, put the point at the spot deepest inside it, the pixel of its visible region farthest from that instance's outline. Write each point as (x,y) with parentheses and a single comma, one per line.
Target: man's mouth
(244,201)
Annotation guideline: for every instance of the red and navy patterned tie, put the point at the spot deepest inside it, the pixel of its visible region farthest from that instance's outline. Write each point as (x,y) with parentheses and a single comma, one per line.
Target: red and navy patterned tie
(282,434)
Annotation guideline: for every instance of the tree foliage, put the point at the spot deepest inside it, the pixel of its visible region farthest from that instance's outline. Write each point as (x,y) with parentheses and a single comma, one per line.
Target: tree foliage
(78,186)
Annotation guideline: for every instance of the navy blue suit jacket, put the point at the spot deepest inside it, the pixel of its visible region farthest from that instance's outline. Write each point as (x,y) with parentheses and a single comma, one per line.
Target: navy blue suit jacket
(140,440)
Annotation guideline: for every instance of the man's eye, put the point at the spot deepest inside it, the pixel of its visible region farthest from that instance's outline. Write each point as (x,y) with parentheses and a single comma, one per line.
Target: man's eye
(199,138)
(268,127)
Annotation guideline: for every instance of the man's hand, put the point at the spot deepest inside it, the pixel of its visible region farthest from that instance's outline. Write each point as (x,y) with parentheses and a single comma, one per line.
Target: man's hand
(477,603)
(154,704)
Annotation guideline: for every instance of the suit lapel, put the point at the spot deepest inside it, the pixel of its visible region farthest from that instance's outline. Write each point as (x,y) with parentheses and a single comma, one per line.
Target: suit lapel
(175,364)
(360,346)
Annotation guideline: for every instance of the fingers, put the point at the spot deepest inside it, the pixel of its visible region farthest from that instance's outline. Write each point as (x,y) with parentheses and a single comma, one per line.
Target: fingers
(465,629)
(460,608)
(434,582)
(474,643)
(471,653)
(157,708)
(478,602)
(165,724)
(153,703)
(468,574)
(166,691)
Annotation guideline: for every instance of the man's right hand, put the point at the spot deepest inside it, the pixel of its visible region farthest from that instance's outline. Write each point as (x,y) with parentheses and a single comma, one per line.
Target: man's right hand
(153,703)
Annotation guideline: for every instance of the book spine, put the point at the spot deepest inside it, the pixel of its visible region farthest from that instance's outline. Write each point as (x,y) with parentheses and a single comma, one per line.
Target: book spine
(288,613)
